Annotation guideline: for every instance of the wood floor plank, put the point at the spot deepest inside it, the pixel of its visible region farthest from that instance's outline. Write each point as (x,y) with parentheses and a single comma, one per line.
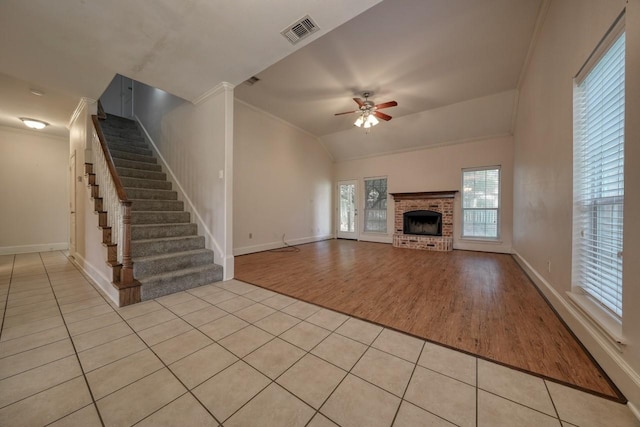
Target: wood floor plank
(480,303)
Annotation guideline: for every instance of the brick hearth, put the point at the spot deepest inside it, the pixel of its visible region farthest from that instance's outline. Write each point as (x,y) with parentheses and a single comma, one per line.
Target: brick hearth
(436,201)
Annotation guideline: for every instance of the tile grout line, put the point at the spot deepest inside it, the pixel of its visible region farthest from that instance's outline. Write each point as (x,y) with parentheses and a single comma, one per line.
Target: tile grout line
(6,301)
(164,366)
(546,386)
(74,347)
(349,372)
(415,366)
(271,381)
(477,388)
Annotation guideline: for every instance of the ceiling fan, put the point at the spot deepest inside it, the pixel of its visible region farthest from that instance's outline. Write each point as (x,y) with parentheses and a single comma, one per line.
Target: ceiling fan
(369,113)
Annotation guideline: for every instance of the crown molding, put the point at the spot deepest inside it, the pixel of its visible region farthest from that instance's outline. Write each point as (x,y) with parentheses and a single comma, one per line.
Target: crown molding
(219,88)
(84,101)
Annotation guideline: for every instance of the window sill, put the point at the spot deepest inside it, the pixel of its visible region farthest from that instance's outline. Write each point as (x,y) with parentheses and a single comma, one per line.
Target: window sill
(481,240)
(604,321)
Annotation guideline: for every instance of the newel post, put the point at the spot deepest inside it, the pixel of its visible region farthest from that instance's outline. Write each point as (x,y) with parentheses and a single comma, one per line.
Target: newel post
(126,273)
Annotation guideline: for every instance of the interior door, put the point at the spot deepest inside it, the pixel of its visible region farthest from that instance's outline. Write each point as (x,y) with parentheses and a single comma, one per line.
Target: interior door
(72,204)
(347,210)
(126,96)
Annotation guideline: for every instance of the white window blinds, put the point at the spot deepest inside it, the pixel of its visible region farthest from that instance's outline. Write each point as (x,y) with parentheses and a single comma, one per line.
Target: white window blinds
(480,202)
(375,205)
(598,175)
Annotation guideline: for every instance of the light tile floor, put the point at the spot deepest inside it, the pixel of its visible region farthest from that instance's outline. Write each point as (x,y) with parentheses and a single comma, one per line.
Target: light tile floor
(237,355)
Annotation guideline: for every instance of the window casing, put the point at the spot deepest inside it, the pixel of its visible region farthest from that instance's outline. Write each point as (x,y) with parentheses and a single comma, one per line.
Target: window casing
(375,205)
(598,173)
(481,203)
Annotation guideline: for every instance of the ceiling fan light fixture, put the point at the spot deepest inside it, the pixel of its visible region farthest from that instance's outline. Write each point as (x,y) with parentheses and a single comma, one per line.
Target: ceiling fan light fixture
(33,123)
(371,120)
(359,121)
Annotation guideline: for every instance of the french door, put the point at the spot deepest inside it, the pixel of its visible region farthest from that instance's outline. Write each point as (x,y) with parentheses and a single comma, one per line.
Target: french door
(347,210)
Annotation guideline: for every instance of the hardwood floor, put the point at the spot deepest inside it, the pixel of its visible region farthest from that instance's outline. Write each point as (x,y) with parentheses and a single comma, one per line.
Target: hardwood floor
(480,303)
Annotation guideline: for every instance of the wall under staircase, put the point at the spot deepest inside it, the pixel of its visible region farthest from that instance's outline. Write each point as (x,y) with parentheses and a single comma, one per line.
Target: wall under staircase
(168,254)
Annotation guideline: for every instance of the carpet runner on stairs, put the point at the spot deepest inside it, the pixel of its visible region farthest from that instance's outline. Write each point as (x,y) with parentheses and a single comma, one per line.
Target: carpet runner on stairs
(168,254)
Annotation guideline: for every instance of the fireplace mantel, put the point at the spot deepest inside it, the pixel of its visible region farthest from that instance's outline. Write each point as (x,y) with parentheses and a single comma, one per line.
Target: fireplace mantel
(425,195)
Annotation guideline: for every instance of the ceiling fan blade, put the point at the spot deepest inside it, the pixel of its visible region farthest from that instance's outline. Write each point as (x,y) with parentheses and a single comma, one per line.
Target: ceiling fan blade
(346,112)
(386,105)
(382,116)
(359,101)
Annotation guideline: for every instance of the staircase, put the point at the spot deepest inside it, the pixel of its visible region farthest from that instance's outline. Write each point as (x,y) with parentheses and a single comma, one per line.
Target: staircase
(168,255)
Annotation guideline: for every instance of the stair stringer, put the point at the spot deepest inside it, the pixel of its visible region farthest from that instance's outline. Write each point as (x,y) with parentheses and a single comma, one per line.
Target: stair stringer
(126,295)
(210,240)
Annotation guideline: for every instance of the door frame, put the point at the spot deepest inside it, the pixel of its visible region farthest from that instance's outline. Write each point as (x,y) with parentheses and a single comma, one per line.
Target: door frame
(356,230)
(72,203)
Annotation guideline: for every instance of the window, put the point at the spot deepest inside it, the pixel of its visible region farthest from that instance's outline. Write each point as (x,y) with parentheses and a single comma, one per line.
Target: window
(375,205)
(598,180)
(481,202)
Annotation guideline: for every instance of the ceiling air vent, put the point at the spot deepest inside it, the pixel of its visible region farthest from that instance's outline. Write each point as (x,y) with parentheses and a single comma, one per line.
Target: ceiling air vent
(300,29)
(252,80)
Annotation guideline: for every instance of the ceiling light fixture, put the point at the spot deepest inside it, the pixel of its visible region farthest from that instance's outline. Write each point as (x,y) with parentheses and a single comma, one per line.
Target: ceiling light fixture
(366,120)
(33,123)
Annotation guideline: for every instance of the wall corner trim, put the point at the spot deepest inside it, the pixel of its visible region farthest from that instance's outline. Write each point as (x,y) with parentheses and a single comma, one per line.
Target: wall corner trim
(84,101)
(219,88)
(610,359)
(97,279)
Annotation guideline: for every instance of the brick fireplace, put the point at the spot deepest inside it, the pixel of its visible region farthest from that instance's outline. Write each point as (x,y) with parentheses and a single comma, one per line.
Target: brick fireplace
(424,220)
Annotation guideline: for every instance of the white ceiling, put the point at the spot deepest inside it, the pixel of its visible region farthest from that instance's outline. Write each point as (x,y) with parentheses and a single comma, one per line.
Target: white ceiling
(452,65)
(425,54)
(185,47)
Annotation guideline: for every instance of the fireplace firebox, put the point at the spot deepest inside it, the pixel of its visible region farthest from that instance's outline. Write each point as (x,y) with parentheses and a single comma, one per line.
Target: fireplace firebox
(422,222)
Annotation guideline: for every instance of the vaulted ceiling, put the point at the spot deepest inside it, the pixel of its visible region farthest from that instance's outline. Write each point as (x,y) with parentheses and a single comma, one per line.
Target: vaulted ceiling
(452,65)
(73,48)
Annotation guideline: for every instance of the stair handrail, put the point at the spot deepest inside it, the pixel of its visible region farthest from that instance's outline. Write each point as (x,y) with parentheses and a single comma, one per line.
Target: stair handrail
(124,238)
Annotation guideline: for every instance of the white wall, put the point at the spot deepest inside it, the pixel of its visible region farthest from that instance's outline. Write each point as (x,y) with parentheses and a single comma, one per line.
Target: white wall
(195,142)
(282,183)
(34,211)
(89,253)
(543,172)
(438,169)
(117,97)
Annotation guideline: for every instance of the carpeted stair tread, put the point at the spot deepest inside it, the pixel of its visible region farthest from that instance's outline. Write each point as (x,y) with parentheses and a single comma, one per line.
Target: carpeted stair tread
(150,184)
(163,263)
(144,151)
(147,247)
(132,164)
(131,156)
(141,173)
(167,283)
(157,231)
(159,217)
(156,205)
(151,194)
(137,141)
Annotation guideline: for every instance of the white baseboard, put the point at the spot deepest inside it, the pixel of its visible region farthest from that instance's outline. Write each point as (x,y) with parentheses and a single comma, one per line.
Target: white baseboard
(25,249)
(96,276)
(482,246)
(376,238)
(277,245)
(599,345)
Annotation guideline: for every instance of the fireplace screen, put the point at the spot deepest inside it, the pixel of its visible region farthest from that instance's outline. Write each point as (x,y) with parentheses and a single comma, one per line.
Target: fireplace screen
(427,223)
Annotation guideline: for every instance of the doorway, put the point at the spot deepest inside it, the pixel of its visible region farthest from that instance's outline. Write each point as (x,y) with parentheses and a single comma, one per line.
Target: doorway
(347,210)
(72,203)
